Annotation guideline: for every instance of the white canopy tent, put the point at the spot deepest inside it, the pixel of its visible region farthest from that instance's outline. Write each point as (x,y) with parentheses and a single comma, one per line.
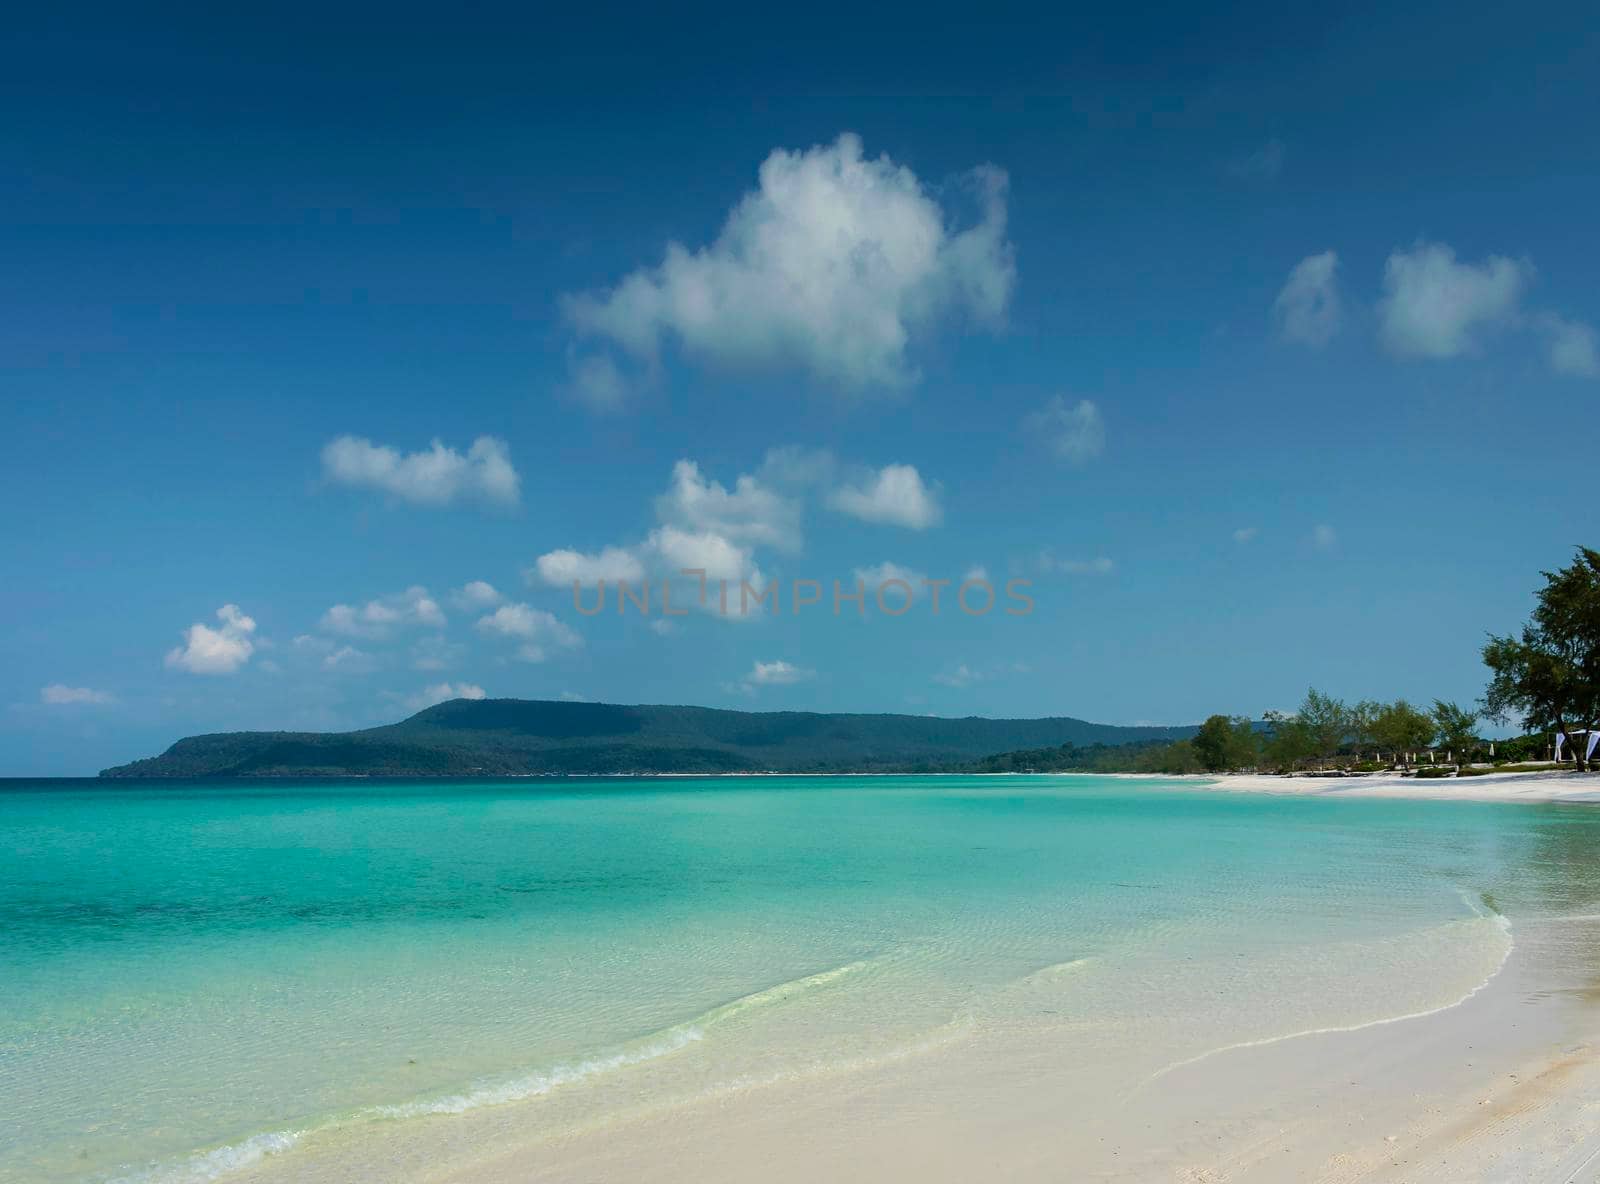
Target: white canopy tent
(1588,752)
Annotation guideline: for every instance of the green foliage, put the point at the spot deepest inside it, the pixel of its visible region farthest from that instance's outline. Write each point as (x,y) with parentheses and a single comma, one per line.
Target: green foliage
(1288,743)
(1549,674)
(1454,728)
(1400,728)
(1327,722)
(1226,742)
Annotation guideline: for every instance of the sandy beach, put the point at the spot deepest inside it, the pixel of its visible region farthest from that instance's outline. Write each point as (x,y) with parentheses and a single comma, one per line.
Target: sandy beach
(1487,787)
(1497,1085)
(1498,1088)
(1045,978)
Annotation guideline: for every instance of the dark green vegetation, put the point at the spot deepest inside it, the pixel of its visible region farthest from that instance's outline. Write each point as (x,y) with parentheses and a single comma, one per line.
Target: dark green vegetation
(1549,674)
(1548,677)
(493,737)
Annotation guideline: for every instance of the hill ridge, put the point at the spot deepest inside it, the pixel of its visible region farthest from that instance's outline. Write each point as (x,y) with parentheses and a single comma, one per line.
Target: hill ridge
(495,737)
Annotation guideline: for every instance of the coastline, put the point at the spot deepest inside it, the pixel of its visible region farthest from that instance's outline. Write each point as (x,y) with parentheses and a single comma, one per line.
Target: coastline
(1493,1086)
(1336,1051)
(1527,788)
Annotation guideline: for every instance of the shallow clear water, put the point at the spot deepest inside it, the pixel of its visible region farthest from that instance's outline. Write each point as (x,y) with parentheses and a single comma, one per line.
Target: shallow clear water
(192,977)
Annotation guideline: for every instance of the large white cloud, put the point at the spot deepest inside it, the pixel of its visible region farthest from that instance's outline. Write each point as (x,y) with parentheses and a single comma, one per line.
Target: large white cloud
(895,495)
(435,477)
(378,618)
(536,630)
(834,265)
(1435,307)
(1308,307)
(220,650)
(1074,432)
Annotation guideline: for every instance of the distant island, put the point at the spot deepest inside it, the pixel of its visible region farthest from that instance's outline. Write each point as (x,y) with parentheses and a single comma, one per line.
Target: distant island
(505,737)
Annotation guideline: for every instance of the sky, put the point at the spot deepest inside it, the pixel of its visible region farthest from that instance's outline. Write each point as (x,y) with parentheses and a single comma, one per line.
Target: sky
(1256,344)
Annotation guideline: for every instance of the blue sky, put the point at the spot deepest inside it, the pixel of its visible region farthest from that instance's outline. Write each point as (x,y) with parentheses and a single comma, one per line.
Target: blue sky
(1258,340)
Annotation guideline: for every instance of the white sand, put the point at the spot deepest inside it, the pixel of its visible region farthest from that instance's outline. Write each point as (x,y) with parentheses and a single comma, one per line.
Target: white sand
(1500,1088)
(1490,787)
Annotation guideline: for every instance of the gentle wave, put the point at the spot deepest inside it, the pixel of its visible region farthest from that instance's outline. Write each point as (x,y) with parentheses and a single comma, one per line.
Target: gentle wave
(657,1044)
(1488,912)
(206,1166)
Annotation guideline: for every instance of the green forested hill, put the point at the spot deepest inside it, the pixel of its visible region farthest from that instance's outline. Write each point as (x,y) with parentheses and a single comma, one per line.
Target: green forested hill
(506,736)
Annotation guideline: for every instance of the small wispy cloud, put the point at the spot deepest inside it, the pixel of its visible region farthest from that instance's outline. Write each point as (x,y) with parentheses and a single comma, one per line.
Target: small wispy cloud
(1262,164)
(1246,534)
(1098,566)
(60,695)
(774,674)
(443,692)
(1074,432)
(436,476)
(1308,308)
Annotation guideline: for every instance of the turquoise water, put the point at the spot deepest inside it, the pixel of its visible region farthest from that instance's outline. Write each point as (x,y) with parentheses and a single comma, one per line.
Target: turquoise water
(193,978)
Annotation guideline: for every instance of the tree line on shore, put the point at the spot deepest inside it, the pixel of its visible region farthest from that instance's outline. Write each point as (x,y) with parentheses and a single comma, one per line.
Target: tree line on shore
(1546,677)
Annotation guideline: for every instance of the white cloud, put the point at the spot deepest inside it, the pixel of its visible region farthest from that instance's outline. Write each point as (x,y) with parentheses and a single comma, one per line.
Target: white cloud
(222,650)
(775,674)
(873,578)
(1100,566)
(1076,433)
(1574,347)
(435,477)
(1246,534)
(662,627)
(962,676)
(976,574)
(347,658)
(572,697)
(443,692)
(535,629)
(1308,308)
(1264,164)
(794,465)
(835,265)
(60,695)
(433,652)
(560,569)
(1434,307)
(377,618)
(895,495)
(474,595)
(1324,537)
(705,550)
(752,513)
(597,381)
(666,553)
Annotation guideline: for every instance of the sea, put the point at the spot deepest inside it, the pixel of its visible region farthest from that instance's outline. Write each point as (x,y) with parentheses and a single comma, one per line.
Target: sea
(200,979)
